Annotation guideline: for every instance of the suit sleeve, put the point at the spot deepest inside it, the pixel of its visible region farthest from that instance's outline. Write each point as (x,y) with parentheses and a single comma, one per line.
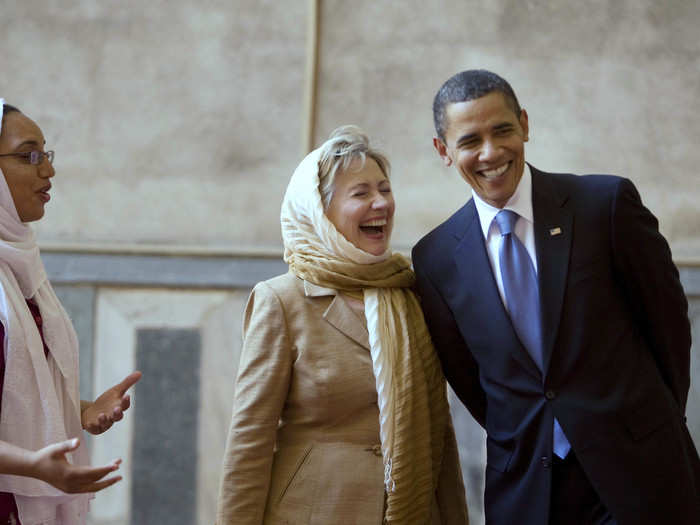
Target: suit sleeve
(458,364)
(261,389)
(644,266)
(450,494)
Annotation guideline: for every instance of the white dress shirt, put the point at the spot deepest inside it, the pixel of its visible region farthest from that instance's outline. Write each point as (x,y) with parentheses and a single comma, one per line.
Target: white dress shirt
(521,203)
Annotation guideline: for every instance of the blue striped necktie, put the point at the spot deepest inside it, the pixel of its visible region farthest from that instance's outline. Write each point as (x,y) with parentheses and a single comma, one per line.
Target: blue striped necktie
(523,301)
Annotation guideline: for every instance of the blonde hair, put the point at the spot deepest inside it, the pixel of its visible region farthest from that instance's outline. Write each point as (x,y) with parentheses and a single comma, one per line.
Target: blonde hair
(345,146)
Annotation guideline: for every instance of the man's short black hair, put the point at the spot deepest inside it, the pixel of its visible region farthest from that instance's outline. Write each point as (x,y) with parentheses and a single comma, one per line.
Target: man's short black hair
(469,85)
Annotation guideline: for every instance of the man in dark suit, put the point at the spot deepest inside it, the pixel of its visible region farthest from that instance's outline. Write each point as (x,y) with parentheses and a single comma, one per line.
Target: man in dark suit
(561,324)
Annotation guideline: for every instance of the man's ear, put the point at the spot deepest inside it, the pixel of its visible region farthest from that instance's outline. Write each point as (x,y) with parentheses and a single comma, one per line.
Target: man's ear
(441,148)
(525,125)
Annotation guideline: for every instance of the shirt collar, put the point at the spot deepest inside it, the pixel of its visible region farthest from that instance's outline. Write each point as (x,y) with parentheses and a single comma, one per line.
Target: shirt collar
(520,202)
(314,290)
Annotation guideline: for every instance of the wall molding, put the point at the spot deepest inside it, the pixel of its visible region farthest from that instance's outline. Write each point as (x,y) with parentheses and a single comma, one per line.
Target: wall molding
(170,271)
(197,271)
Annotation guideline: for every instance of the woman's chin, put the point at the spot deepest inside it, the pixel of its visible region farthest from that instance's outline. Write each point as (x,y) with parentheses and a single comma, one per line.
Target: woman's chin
(375,248)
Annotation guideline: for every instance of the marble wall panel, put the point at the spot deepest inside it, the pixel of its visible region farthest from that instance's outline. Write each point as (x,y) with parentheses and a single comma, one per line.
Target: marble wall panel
(471,440)
(120,315)
(79,303)
(221,348)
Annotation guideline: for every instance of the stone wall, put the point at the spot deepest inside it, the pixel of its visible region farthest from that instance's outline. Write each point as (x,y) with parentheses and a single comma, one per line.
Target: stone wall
(179,123)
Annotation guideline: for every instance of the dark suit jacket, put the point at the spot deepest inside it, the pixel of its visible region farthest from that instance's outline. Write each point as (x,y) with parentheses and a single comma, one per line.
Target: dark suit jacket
(616,353)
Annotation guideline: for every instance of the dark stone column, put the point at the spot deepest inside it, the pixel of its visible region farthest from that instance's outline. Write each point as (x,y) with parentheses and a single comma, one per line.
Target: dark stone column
(164,458)
(79,303)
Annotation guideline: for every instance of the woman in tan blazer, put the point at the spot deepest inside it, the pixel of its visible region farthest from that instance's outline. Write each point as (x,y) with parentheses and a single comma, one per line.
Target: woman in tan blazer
(340,413)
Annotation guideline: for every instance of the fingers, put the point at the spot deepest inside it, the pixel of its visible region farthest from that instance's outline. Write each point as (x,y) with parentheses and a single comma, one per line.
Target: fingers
(85,475)
(110,406)
(102,423)
(126,402)
(96,487)
(117,414)
(61,448)
(118,411)
(86,479)
(128,382)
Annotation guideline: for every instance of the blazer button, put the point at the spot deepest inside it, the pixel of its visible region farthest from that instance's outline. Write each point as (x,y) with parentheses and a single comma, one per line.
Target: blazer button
(546,462)
(549,394)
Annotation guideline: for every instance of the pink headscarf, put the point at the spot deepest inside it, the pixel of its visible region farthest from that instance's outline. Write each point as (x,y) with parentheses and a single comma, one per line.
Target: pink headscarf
(40,398)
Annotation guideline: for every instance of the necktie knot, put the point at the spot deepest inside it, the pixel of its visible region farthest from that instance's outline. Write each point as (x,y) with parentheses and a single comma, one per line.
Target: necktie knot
(506,221)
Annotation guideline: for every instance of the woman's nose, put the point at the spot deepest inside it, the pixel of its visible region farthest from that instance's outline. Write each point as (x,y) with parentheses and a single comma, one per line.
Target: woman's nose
(46,170)
(380,201)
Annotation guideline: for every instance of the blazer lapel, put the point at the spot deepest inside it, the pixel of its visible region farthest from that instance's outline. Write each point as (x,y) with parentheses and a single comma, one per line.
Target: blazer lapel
(553,235)
(479,285)
(340,314)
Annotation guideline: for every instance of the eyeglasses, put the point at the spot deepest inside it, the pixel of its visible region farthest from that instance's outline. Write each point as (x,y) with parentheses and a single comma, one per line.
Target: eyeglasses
(35,157)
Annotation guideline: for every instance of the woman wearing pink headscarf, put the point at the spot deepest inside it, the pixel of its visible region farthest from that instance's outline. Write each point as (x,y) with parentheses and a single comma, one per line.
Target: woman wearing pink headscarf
(44,475)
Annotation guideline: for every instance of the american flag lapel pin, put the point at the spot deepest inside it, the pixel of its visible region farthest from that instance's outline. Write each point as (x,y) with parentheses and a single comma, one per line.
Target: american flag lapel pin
(555,231)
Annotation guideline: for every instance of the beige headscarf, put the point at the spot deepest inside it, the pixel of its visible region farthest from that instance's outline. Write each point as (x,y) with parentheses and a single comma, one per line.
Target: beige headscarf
(411,389)
(40,398)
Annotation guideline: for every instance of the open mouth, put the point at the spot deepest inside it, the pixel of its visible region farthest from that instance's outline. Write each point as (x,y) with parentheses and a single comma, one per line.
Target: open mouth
(375,227)
(496,172)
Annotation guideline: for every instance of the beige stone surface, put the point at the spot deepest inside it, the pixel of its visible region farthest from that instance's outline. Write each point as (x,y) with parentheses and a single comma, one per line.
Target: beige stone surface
(173,122)
(610,87)
(180,123)
(221,349)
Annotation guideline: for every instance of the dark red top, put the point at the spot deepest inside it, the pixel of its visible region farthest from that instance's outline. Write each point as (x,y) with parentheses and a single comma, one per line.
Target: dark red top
(7,500)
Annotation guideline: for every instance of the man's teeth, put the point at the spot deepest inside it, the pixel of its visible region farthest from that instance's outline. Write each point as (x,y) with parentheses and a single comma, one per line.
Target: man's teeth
(378,222)
(495,172)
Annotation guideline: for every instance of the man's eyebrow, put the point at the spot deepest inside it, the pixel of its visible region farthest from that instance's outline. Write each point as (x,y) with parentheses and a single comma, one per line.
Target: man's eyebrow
(503,125)
(466,138)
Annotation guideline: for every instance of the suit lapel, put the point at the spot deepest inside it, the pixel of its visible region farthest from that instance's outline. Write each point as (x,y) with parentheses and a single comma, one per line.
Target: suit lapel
(479,284)
(340,314)
(344,318)
(553,236)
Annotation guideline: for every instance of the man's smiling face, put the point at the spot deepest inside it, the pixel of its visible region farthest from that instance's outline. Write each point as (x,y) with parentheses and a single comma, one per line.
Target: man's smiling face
(485,140)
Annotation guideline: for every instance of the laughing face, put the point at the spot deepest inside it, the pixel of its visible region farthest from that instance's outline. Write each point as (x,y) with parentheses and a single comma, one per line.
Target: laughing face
(362,207)
(485,141)
(29,184)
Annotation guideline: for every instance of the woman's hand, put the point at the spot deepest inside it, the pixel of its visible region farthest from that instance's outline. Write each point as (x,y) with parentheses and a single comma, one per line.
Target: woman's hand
(109,407)
(49,464)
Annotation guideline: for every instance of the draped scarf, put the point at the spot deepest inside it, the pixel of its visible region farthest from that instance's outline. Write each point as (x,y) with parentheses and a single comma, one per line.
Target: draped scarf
(411,390)
(40,398)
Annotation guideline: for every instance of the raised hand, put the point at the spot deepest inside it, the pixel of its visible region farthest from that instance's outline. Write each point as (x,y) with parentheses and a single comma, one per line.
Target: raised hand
(109,407)
(49,464)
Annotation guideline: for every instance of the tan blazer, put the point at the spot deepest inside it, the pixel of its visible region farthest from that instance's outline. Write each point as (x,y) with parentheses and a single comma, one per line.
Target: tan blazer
(303,447)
